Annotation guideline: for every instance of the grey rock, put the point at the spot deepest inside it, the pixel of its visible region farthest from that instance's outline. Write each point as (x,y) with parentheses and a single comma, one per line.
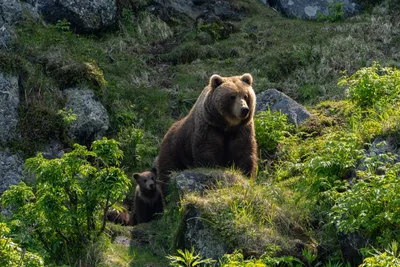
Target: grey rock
(53,150)
(31,8)
(122,240)
(10,12)
(198,180)
(208,10)
(84,15)
(383,151)
(278,101)
(92,119)
(306,9)
(189,181)
(11,170)
(201,237)
(9,100)
(5,36)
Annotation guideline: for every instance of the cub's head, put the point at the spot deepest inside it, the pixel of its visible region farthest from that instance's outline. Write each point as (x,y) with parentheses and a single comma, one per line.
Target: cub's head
(233,97)
(146,180)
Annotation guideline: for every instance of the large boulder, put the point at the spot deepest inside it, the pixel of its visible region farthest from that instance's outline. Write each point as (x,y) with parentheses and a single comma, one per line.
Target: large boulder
(207,10)
(277,101)
(84,15)
(10,11)
(208,198)
(9,100)
(92,119)
(306,9)
(11,170)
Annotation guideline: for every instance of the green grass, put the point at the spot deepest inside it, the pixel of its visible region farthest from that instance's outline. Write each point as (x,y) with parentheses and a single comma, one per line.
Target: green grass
(123,256)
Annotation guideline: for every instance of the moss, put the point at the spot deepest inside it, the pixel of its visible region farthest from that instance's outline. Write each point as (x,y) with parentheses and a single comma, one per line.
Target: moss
(38,124)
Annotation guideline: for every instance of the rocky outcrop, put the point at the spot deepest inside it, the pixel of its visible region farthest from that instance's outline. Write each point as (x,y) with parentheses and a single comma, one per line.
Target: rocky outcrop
(92,119)
(9,100)
(208,193)
(84,15)
(5,36)
(277,101)
(306,9)
(11,170)
(201,237)
(10,12)
(207,10)
(53,149)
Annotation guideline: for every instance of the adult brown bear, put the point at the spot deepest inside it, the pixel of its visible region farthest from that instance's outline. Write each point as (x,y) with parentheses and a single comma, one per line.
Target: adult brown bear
(218,131)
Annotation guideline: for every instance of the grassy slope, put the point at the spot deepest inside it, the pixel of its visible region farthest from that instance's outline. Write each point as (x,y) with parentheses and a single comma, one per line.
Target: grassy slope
(155,72)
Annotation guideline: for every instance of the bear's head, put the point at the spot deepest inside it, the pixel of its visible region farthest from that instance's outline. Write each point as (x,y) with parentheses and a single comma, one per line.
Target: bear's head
(233,98)
(146,180)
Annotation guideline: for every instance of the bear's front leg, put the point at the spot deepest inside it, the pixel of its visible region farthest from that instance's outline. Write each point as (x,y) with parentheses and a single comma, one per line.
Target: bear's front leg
(243,152)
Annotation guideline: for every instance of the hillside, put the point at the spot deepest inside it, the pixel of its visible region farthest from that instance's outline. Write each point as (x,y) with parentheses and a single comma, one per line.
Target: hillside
(327,189)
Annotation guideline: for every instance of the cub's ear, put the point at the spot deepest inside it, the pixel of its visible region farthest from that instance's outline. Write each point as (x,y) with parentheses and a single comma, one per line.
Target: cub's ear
(136,176)
(247,78)
(154,170)
(215,81)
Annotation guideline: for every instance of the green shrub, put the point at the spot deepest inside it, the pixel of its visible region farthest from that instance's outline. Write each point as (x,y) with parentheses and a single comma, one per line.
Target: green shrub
(328,167)
(12,255)
(390,257)
(335,13)
(140,148)
(188,259)
(371,205)
(373,85)
(270,128)
(236,259)
(67,206)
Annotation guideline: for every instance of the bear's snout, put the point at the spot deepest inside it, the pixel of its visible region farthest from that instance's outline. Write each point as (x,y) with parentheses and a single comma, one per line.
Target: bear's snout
(151,186)
(244,112)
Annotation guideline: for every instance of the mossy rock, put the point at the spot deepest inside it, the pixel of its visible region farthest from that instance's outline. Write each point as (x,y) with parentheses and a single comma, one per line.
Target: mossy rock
(230,212)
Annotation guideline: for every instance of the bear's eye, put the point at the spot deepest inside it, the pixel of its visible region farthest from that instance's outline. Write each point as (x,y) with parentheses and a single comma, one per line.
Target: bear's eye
(233,97)
(145,180)
(246,96)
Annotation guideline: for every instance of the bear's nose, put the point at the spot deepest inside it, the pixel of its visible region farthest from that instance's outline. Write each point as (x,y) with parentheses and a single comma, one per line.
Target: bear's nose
(151,186)
(244,112)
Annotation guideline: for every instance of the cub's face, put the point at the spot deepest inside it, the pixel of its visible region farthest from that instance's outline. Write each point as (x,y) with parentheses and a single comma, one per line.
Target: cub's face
(234,97)
(146,180)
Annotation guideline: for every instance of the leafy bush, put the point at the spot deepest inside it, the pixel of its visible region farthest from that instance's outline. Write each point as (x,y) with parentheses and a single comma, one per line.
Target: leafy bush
(12,255)
(236,259)
(139,147)
(67,206)
(390,257)
(335,13)
(371,205)
(270,128)
(373,85)
(335,156)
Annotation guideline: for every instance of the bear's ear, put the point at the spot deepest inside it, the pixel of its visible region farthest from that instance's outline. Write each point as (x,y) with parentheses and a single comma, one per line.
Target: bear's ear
(136,176)
(215,81)
(154,170)
(247,78)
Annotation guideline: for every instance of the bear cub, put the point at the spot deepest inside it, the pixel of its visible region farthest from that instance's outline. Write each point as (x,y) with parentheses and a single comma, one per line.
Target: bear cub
(148,197)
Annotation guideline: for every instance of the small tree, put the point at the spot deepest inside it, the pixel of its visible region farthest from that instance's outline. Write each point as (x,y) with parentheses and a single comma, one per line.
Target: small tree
(67,206)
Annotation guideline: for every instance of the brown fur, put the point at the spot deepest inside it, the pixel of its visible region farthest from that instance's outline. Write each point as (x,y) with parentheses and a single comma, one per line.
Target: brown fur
(215,132)
(118,217)
(148,197)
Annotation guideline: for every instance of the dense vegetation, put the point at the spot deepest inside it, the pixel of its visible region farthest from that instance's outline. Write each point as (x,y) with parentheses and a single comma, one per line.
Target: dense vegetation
(327,177)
